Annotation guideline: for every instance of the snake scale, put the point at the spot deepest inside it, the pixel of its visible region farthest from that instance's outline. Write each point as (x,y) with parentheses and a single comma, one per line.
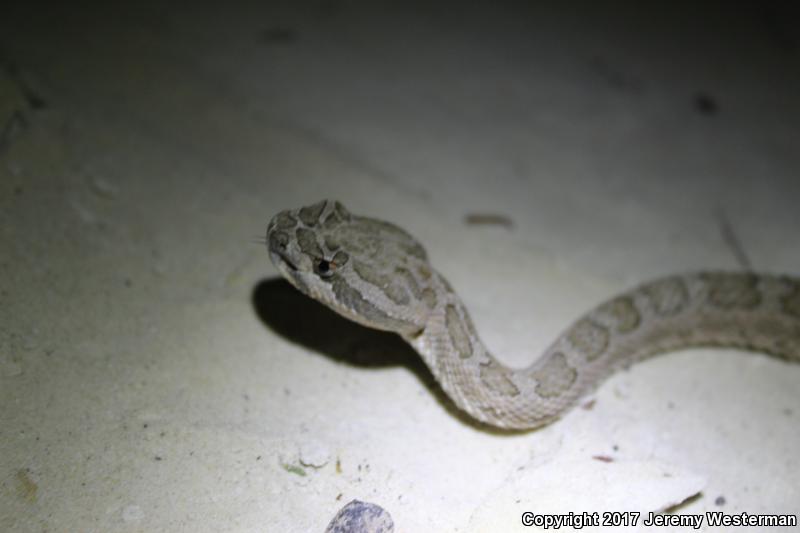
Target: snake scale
(376,274)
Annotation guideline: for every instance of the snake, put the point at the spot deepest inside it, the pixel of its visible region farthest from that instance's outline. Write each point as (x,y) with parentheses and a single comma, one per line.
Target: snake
(376,274)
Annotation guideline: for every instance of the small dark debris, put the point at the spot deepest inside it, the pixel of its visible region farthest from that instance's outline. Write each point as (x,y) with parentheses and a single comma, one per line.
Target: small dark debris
(488,219)
(258,458)
(162,434)
(588,406)
(339,496)
(157,458)
(682,505)
(603,458)
(615,448)
(719,501)
(294,469)
(144,425)
(278,35)
(732,241)
(705,104)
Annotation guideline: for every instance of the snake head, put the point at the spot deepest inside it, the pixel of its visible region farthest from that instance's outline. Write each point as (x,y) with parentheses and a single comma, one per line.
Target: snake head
(300,242)
(368,270)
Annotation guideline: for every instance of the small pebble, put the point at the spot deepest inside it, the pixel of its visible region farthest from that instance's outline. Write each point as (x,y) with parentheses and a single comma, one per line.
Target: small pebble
(361,517)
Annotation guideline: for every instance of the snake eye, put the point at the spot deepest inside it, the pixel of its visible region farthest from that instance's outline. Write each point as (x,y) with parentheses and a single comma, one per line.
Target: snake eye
(324,268)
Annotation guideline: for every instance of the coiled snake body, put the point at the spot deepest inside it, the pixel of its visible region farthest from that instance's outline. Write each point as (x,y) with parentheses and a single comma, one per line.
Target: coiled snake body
(377,274)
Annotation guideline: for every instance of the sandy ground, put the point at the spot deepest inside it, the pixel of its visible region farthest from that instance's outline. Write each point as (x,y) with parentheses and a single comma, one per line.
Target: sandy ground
(156,375)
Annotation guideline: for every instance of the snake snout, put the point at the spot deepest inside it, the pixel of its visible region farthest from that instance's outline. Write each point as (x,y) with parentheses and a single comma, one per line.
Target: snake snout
(279,249)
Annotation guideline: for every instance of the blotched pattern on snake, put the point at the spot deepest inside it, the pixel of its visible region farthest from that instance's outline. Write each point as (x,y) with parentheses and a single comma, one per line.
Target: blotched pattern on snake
(375,273)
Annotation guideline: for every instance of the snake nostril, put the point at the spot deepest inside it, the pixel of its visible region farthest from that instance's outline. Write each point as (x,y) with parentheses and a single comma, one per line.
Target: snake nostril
(278,241)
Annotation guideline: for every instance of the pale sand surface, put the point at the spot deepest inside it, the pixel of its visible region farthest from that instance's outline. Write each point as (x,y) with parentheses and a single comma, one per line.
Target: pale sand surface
(155,375)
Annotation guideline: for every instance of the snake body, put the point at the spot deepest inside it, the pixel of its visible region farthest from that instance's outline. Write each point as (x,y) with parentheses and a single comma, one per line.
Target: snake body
(375,273)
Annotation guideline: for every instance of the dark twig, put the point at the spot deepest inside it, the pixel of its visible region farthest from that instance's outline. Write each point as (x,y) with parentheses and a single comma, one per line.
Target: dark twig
(732,241)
